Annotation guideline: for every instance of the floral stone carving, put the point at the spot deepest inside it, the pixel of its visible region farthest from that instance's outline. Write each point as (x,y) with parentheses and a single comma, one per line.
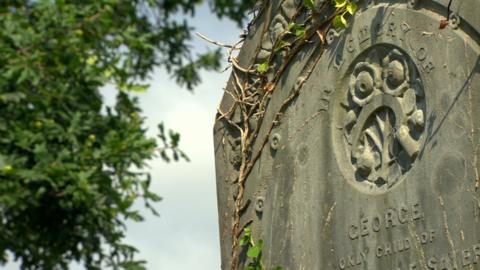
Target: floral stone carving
(383,116)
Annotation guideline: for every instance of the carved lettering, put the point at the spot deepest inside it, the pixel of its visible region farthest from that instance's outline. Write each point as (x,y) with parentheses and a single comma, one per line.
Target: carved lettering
(341,263)
(425,61)
(363,34)
(442,262)
(394,247)
(402,215)
(376,222)
(353,232)
(470,256)
(326,98)
(421,53)
(364,226)
(392,27)
(476,251)
(350,45)
(416,212)
(466,257)
(392,217)
(404,27)
(432,263)
(338,61)
(428,66)
(353,259)
(427,237)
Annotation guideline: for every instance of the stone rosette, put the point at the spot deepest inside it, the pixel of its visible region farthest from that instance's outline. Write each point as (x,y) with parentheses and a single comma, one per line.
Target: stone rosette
(382,117)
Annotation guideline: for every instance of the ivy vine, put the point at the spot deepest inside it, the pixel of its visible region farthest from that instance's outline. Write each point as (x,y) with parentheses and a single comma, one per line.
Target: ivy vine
(254,251)
(253,88)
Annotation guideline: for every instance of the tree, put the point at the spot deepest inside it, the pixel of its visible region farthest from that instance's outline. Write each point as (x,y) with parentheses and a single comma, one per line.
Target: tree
(69,173)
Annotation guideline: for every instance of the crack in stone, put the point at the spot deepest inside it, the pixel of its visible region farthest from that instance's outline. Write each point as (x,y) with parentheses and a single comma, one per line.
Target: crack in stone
(418,246)
(329,217)
(447,229)
(305,123)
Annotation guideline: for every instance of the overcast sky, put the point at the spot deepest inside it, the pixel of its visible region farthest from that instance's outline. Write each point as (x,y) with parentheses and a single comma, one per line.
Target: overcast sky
(185,236)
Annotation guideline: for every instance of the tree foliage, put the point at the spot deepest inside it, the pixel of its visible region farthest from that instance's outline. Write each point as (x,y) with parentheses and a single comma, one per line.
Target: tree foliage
(70,169)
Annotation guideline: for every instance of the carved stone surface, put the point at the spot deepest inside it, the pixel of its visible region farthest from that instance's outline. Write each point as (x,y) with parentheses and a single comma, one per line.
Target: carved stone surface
(380,117)
(374,165)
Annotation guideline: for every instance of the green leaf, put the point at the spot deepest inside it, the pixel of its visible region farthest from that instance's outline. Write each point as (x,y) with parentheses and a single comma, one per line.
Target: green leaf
(263,67)
(135,88)
(339,22)
(14,97)
(244,240)
(254,252)
(3,161)
(92,60)
(23,76)
(292,26)
(278,268)
(281,44)
(351,8)
(7,169)
(68,154)
(40,192)
(340,3)
(296,29)
(310,4)
(300,31)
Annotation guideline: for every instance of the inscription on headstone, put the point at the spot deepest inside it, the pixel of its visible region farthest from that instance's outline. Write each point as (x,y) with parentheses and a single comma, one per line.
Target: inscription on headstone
(375,164)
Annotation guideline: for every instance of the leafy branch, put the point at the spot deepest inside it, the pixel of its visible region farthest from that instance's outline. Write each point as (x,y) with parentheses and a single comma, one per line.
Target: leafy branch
(254,251)
(344,8)
(253,87)
(170,142)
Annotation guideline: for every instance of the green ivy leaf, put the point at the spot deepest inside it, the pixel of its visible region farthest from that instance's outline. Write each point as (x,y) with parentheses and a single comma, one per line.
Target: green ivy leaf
(292,26)
(351,8)
(310,4)
(340,3)
(244,240)
(260,244)
(254,252)
(263,67)
(296,29)
(300,32)
(339,22)
(281,44)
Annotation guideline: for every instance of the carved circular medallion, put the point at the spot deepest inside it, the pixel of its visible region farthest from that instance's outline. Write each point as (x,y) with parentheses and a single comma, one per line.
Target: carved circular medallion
(381,118)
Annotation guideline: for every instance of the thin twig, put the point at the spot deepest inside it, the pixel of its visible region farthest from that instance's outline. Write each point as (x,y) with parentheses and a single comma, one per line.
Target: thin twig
(215,42)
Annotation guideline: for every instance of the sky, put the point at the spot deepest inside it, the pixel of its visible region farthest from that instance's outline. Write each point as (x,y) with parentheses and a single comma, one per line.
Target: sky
(186,235)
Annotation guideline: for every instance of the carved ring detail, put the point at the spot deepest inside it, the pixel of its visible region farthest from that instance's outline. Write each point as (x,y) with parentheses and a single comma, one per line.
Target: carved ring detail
(383,116)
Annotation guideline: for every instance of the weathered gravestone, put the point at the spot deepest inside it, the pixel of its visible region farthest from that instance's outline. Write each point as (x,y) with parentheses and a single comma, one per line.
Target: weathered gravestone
(354,148)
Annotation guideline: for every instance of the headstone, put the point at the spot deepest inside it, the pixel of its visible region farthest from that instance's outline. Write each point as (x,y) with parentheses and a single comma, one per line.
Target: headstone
(372,152)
